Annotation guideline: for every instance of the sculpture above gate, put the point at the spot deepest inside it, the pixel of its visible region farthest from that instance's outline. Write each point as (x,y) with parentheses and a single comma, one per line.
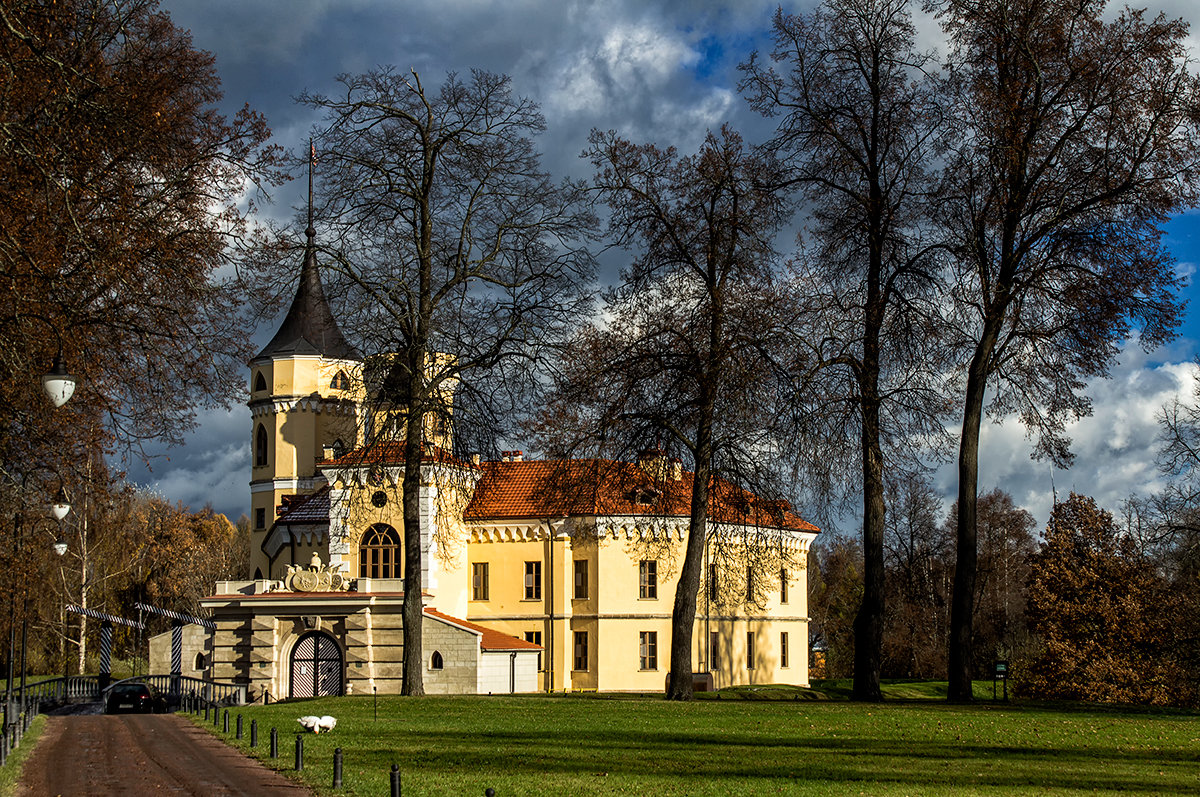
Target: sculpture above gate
(317,577)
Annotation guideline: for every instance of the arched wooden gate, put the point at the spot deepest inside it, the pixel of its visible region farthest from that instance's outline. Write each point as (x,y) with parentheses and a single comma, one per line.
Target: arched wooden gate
(316,666)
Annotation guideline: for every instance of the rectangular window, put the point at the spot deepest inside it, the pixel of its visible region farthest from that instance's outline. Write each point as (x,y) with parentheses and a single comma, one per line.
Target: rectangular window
(714,594)
(783,584)
(536,638)
(260,518)
(749,650)
(581,579)
(533,581)
(479,581)
(648,579)
(648,650)
(749,584)
(581,651)
(783,651)
(714,651)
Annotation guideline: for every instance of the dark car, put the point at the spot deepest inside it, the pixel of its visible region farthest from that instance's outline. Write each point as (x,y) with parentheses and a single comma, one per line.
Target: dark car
(134,698)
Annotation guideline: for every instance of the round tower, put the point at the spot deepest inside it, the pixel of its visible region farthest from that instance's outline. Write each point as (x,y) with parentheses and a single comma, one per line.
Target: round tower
(306,389)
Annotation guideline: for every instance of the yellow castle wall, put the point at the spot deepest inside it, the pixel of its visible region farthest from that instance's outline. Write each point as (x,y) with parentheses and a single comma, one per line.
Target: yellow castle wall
(614,614)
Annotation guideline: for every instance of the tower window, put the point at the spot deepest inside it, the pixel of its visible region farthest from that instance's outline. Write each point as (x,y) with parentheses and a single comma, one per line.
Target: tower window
(435,661)
(260,381)
(379,553)
(340,381)
(260,446)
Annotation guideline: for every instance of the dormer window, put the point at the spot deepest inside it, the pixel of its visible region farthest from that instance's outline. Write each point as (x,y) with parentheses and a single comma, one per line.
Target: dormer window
(260,382)
(340,381)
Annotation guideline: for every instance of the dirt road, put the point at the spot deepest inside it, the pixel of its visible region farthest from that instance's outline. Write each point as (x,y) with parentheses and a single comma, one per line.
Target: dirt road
(138,754)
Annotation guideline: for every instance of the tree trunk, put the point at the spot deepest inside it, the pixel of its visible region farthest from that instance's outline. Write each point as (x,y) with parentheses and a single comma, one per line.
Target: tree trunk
(868,623)
(683,614)
(413,609)
(962,605)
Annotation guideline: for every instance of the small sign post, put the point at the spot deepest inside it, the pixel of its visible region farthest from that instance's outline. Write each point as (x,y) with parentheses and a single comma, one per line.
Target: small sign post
(1000,673)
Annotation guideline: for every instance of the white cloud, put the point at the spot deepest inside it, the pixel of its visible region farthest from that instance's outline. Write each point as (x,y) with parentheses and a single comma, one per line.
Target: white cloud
(1114,448)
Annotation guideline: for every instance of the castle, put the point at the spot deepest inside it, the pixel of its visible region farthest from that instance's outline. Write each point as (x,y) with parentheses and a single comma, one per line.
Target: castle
(538,575)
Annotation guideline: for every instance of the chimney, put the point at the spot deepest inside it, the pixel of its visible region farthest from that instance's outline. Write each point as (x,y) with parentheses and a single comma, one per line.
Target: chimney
(327,452)
(654,462)
(475,460)
(676,469)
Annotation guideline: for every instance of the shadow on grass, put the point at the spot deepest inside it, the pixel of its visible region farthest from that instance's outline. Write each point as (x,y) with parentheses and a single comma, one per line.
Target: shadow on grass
(730,744)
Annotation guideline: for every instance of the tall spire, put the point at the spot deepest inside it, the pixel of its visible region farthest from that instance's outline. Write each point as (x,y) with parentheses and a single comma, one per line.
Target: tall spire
(309,326)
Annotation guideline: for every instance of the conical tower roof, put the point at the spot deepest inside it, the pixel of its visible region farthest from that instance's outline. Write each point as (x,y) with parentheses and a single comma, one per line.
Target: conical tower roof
(309,327)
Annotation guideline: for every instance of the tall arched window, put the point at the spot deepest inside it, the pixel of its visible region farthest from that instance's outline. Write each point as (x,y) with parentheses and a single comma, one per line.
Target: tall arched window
(379,553)
(340,381)
(260,381)
(260,446)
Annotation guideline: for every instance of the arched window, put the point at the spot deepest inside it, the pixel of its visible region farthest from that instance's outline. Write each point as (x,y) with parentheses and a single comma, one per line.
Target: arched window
(340,381)
(258,574)
(339,448)
(379,553)
(200,662)
(260,381)
(435,661)
(260,446)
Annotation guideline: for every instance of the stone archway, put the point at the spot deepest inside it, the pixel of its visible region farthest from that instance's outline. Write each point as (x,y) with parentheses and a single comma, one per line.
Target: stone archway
(316,667)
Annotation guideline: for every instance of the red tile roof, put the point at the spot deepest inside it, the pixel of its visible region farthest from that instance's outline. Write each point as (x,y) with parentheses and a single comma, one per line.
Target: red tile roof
(490,639)
(557,488)
(390,452)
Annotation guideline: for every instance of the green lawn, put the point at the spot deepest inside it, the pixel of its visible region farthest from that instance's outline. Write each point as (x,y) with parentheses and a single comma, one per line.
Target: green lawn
(784,745)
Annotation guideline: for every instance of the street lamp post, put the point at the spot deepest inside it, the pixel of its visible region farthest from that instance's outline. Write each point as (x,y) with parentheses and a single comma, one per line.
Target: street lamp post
(59,385)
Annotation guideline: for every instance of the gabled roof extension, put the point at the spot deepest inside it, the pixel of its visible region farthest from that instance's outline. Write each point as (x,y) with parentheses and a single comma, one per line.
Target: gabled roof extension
(489,639)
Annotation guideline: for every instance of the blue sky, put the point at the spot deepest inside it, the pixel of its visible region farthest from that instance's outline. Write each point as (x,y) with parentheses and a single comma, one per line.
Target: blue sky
(654,71)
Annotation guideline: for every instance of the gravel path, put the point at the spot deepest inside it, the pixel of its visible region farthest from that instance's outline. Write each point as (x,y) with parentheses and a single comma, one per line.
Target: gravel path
(136,754)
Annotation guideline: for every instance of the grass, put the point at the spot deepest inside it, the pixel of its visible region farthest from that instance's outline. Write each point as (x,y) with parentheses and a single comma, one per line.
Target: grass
(10,773)
(774,741)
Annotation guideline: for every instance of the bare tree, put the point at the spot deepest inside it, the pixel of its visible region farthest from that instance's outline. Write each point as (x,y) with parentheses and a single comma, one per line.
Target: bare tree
(917,555)
(688,342)
(1076,140)
(857,121)
(461,257)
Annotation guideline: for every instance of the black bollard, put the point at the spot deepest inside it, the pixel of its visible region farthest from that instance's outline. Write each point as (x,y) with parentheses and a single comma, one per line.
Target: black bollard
(225,722)
(216,716)
(206,712)
(238,733)
(395,780)
(337,768)
(299,753)
(274,743)
(254,733)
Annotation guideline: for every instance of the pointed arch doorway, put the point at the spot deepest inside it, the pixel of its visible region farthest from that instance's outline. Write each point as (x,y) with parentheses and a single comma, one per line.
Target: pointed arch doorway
(316,666)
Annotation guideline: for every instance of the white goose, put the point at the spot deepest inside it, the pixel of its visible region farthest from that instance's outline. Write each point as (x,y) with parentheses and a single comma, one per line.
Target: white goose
(318,724)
